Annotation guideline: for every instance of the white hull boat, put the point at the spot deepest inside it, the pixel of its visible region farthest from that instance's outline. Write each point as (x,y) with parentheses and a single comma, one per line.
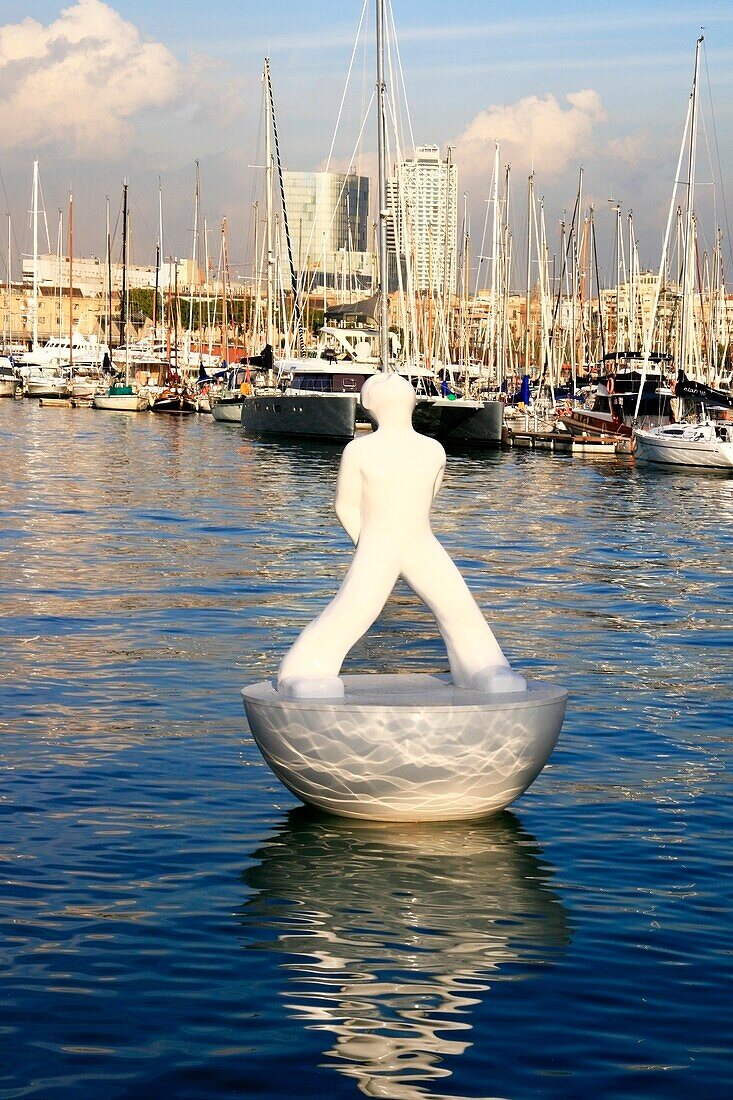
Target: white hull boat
(47,384)
(707,444)
(227,410)
(121,399)
(9,381)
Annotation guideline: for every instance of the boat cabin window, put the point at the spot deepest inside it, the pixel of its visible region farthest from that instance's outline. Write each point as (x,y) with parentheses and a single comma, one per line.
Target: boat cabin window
(313,383)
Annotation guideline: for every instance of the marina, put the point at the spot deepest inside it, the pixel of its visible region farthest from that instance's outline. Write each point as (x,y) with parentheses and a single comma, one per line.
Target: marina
(174,922)
(365,598)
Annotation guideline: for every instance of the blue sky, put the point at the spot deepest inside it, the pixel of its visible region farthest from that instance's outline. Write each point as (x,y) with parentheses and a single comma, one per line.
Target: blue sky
(562,84)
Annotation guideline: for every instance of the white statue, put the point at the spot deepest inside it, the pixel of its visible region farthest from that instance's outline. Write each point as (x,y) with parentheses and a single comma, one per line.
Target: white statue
(386,485)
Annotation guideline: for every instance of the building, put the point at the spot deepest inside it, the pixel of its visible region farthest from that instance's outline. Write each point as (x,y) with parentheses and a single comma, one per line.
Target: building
(90,274)
(328,218)
(421,234)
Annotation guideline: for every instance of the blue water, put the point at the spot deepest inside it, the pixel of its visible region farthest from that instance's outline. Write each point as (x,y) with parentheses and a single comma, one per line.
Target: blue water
(173,925)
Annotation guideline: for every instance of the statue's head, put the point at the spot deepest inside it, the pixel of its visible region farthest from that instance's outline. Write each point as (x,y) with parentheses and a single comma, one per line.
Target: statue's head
(388,395)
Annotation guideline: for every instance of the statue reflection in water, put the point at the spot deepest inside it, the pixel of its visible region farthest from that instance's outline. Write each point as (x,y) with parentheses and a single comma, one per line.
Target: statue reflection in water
(390,936)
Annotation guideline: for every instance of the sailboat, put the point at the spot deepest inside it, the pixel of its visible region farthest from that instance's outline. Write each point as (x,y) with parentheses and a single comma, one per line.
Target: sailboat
(122,396)
(702,439)
(327,408)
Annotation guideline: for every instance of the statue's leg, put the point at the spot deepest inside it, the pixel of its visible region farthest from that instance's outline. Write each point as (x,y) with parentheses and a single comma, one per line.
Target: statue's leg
(311,667)
(475,657)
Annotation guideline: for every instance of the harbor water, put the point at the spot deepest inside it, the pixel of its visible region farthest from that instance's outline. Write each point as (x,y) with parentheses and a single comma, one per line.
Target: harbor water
(173,924)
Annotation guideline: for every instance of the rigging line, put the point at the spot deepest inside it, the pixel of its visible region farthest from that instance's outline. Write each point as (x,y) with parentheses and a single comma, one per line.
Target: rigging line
(343,185)
(482,249)
(717,156)
(12,227)
(288,242)
(401,71)
(346,85)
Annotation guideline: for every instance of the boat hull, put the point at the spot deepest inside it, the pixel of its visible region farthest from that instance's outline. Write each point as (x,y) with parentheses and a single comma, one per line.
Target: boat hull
(47,388)
(327,416)
(8,386)
(178,403)
(474,423)
(667,450)
(227,412)
(408,747)
(124,402)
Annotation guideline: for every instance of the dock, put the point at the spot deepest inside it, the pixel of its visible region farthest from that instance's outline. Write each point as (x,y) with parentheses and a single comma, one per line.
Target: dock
(559,441)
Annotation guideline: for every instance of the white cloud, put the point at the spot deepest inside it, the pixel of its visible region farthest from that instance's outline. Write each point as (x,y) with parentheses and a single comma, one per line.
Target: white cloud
(534,132)
(77,83)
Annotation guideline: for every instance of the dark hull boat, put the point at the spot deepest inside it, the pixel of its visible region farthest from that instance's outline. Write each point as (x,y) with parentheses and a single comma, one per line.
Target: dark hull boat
(462,421)
(178,400)
(327,416)
(611,409)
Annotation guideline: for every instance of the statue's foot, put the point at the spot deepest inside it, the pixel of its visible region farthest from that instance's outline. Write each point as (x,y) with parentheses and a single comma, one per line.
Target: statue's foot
(498,680)
(311,687)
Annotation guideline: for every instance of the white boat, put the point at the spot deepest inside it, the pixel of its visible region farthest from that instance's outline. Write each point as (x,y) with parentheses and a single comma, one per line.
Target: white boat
(59,351)
(121,399)
(699,439)
(707,443)
(9,381)
(226,407)
(47,381)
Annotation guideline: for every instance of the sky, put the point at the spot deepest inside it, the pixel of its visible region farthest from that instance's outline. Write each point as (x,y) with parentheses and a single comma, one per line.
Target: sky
(129,90)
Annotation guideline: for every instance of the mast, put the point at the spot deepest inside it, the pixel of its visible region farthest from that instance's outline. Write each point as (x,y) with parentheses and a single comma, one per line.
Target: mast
(688,130)
(494,352)
(123,295)
(35,254)
(269,327)
(10,287)
(224,293)
(194,261)
(156,292)
(528,288)
(71,281)
(382,191)
(688,275)
(293,276)
(108,303)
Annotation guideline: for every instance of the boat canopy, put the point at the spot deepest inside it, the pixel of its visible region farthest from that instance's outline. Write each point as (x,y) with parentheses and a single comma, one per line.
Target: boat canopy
(354,313)
(698,391)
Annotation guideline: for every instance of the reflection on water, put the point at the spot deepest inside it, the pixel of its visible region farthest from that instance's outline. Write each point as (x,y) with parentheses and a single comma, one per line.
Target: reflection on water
(149,567)
(389,937)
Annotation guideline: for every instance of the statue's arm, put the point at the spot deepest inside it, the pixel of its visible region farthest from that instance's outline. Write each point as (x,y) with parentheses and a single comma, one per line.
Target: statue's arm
(348,496)
(438,479)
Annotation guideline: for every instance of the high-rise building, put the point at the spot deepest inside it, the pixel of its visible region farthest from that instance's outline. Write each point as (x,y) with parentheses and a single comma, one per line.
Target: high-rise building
(423,197)
(328,216)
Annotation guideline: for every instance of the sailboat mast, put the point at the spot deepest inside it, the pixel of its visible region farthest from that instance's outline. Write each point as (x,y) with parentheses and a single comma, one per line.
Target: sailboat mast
(294,278)
(194,262)
(494,355)
(688,274)
(382,191)
(161,252)
(108,288)
(35,254)
(528,287)
(123,295)
(71,281)
(10,284)
(269,327)
(156,292)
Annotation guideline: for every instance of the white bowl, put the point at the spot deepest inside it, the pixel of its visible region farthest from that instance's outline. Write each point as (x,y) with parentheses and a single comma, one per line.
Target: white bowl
(407,747)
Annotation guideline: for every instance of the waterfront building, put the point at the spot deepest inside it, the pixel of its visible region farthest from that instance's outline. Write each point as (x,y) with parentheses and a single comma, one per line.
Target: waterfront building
(90,274)
(328,218)
(422,196)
